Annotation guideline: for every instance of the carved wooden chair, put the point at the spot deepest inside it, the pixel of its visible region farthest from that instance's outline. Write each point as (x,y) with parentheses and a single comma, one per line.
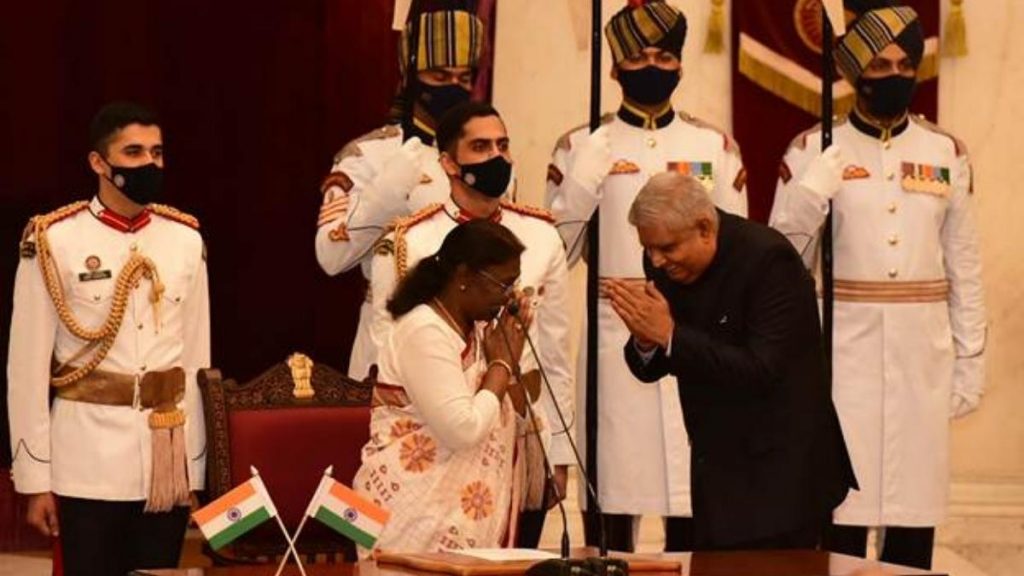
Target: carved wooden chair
(290,429)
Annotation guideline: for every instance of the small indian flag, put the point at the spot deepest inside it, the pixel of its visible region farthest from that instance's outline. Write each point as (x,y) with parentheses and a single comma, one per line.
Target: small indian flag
(245,507)
(346,512)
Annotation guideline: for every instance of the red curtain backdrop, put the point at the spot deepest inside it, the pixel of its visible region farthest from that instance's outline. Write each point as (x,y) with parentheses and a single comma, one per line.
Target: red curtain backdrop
(255,99)
(766,100)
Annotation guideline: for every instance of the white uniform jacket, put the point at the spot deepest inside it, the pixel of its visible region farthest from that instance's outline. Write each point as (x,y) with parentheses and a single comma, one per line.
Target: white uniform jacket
(643,459)
(96,451)
(909,315)
(357,209)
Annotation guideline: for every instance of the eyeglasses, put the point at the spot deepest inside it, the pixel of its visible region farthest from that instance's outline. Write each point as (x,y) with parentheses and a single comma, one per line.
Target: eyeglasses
(505,288)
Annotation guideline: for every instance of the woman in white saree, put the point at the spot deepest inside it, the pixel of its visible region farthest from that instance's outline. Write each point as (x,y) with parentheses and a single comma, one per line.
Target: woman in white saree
(442,453)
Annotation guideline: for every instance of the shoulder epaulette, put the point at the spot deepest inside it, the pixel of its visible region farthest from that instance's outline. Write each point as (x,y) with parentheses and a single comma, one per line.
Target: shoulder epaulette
(418,216)
(527,210)
(728,143)
(402,226)
(352,148)
(172,213)
(920,120)
(44,221)
(565,140)
(38,224)
(800,140)
(50,218)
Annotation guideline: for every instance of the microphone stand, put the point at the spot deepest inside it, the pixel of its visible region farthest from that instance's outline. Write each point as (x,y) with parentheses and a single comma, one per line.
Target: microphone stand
(564,566)
(548,476)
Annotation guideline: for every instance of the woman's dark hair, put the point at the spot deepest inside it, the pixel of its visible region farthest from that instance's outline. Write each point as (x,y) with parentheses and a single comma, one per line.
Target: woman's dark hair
(477,244)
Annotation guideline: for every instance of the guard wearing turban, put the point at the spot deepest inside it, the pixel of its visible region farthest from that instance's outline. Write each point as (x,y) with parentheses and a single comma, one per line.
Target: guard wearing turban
(643,458)
(388,174)
(909,333)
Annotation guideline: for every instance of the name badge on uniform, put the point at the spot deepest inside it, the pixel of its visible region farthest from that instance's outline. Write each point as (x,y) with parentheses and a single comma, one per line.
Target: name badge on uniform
(925,178)
(700,170)
(624,167)
(92,264)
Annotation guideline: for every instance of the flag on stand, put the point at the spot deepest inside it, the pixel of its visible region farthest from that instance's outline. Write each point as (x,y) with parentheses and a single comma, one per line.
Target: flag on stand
(243,508)
(346,512)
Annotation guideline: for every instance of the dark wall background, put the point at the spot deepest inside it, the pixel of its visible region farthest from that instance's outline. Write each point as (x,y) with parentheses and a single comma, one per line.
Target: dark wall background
(255,98)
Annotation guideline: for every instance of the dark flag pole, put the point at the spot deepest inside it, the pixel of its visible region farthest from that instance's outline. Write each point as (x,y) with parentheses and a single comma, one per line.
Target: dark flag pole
(827,274)
(596,518)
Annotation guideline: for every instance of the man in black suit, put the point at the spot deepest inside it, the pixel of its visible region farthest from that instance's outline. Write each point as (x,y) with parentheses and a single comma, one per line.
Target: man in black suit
(730,310)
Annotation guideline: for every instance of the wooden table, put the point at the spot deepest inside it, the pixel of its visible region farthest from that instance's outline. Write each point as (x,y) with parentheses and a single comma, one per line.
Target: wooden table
(761,563)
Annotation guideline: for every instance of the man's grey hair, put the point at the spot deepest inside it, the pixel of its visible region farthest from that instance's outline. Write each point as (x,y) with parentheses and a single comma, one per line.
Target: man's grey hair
(674,200)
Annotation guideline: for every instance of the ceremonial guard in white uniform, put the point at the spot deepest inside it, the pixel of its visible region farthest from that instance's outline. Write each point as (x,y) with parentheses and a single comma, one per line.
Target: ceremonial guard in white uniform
(643,453)
(544,274)
(111,317)
(909,315)
(384,174)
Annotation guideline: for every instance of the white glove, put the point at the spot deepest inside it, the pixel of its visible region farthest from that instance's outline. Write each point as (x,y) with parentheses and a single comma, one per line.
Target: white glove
(402,171)
(592,161)
(960,406)
(824,174)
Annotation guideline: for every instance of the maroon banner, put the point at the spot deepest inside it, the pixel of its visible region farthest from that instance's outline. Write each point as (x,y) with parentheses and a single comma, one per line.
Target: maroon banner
(487,10)
(776,81)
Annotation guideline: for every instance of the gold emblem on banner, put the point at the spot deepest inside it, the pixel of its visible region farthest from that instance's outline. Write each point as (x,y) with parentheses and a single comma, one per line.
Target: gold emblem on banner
(807,21)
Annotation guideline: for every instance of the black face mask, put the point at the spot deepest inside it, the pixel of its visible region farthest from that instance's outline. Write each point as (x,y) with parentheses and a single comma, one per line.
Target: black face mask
(437,100)
(490,178)
(648,85)
(142,184)
(887,97)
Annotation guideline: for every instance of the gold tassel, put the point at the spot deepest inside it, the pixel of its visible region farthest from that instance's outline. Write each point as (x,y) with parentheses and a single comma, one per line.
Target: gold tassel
(954,38)
(715,43)
(179,460)
(161,490)
(168,483)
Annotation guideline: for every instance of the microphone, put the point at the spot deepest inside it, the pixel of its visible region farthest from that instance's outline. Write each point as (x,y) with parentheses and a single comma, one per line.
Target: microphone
(603,565)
